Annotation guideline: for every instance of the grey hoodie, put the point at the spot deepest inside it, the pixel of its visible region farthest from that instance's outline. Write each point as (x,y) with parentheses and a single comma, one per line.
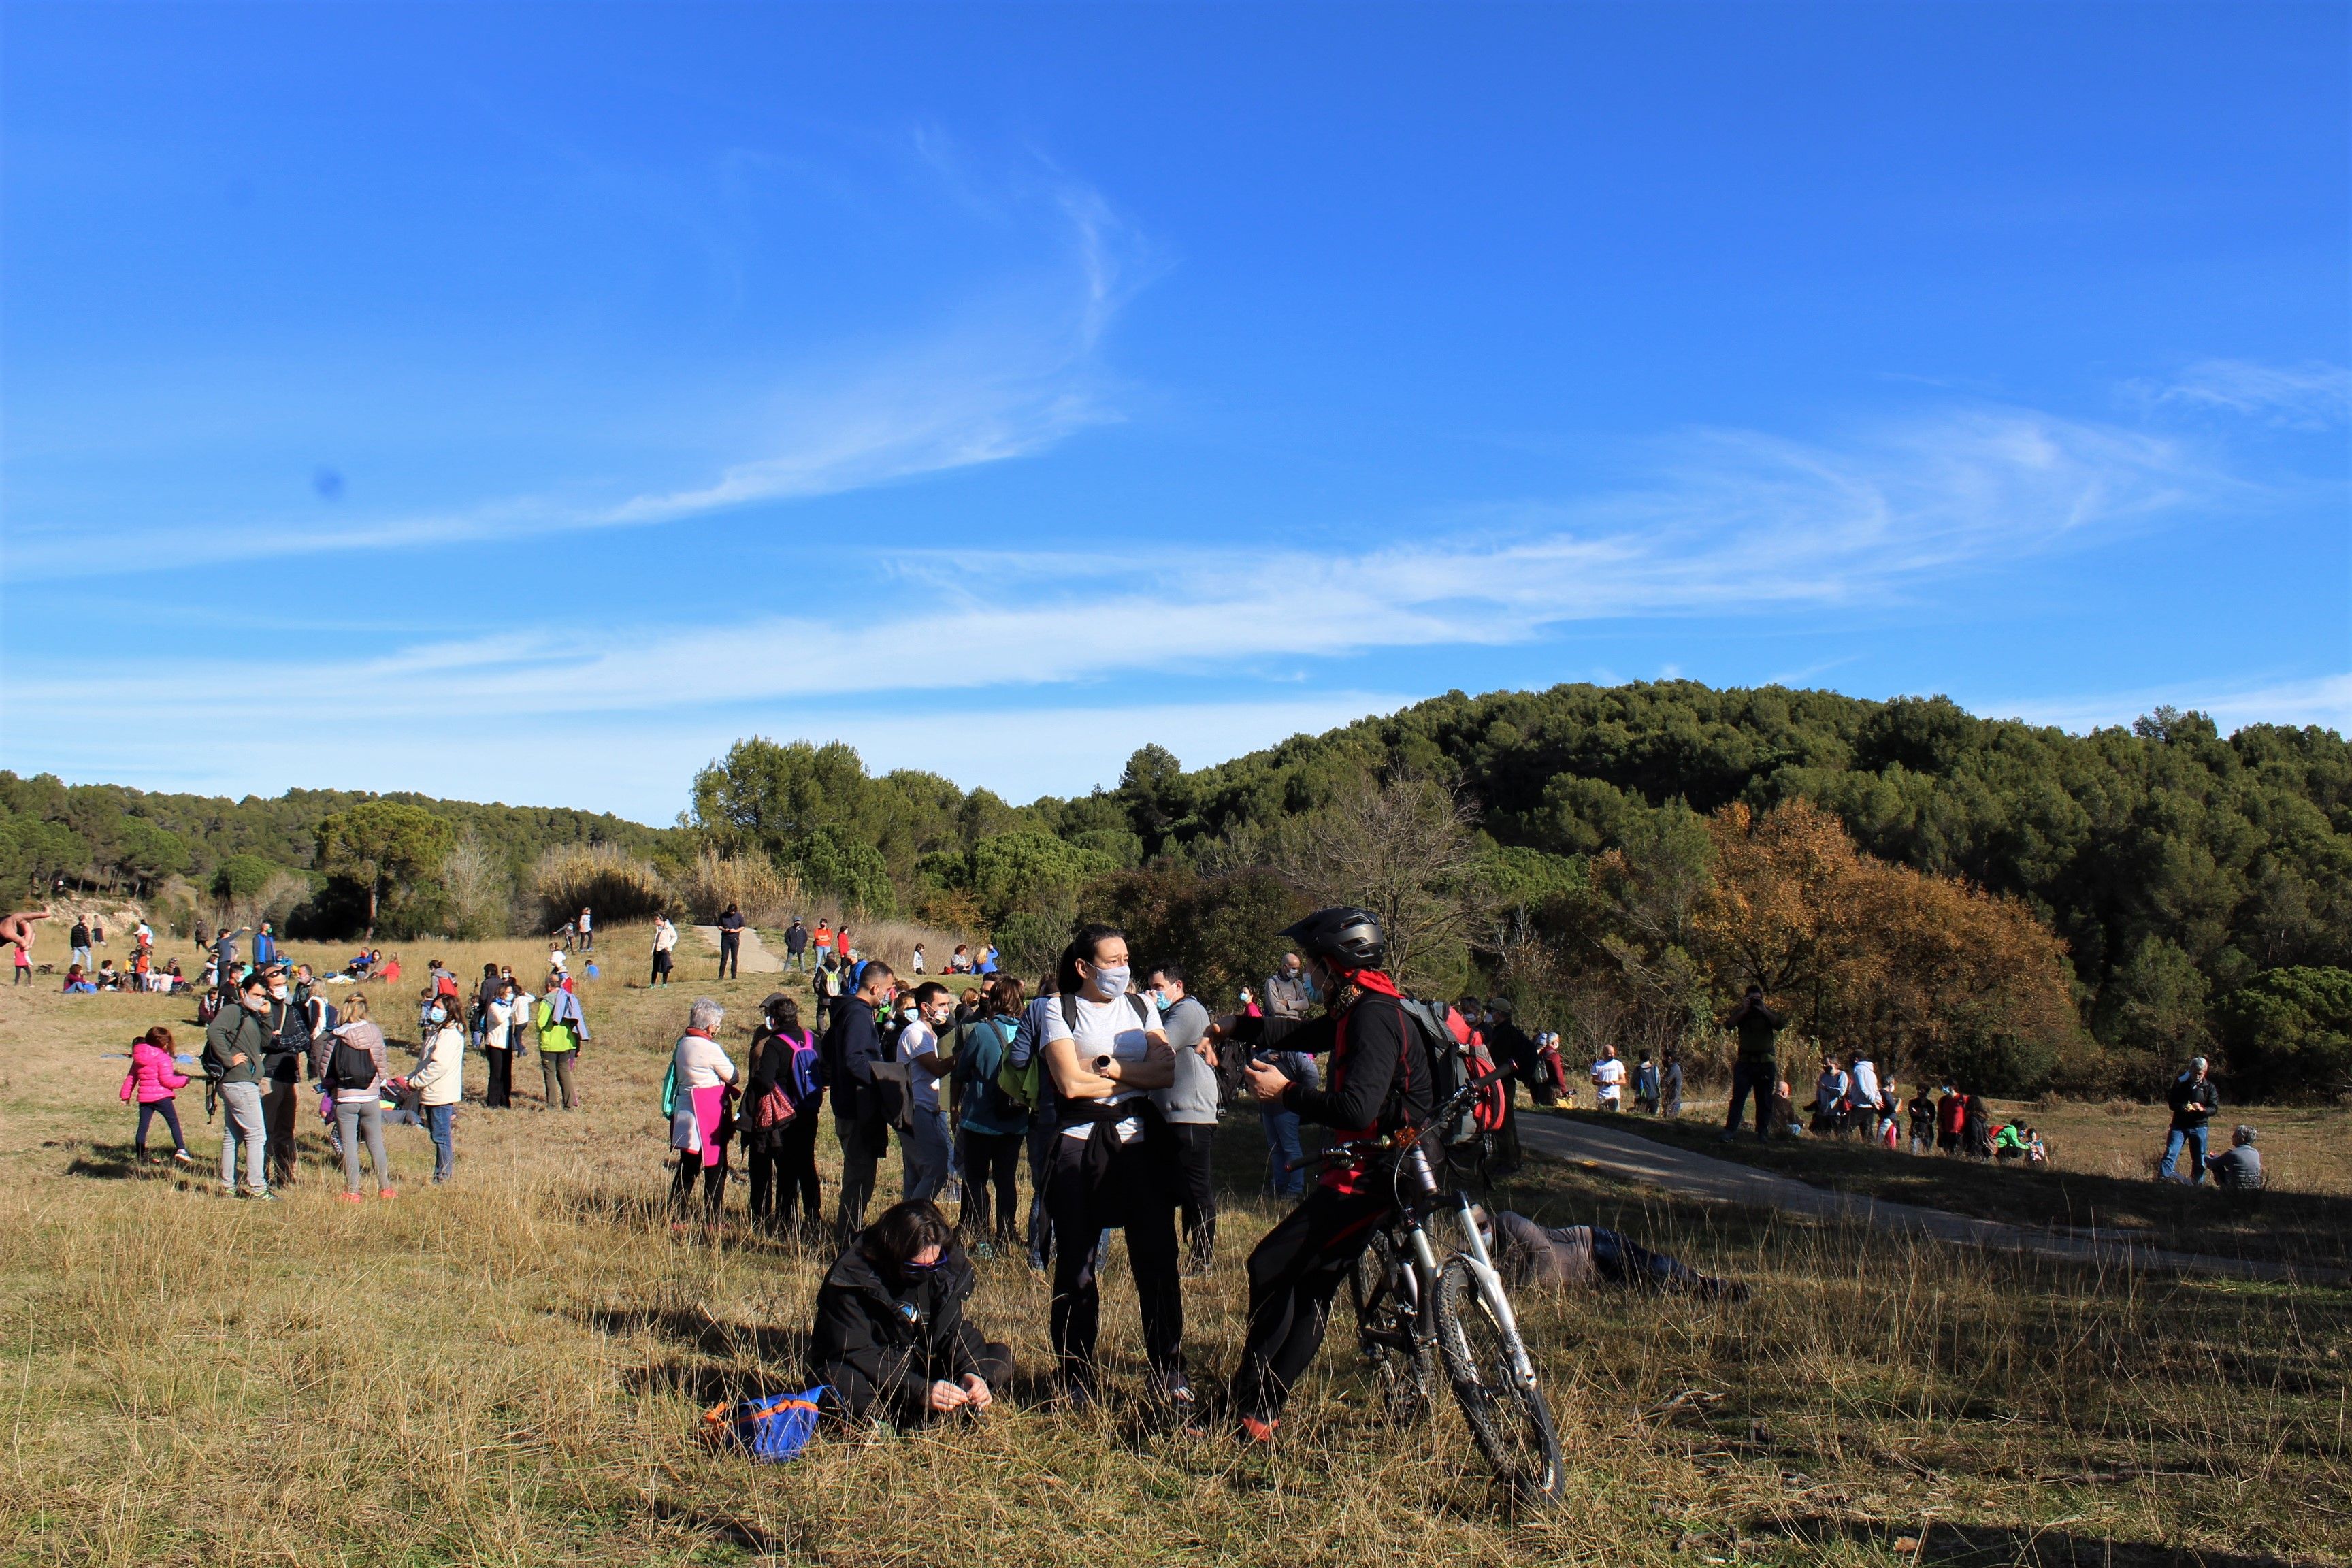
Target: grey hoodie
(1193,1097)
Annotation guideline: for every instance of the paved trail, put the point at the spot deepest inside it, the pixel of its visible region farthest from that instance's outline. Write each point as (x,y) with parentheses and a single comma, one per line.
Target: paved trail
(751,958)
(1724,1181)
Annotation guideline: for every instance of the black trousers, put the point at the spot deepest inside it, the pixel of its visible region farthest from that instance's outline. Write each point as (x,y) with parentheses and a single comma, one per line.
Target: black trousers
(731,954)
(1760,1077)
(1130,1193)
(498,1091)
(279,1098)
(1292,1274)
(992,1158)
(661,968)
(863,1144)
(714,1182)
(785,1170)
(1196,1147)
(855,1398)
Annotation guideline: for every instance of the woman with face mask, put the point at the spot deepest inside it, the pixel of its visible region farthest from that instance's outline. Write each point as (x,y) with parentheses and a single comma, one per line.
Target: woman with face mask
(1113,1163)
(891,1341)
(439,1081)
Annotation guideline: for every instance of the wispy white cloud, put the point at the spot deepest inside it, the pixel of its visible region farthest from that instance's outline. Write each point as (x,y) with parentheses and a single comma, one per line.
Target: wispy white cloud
(2308,397)
(1020,373)
(2325,700)
(1733,523)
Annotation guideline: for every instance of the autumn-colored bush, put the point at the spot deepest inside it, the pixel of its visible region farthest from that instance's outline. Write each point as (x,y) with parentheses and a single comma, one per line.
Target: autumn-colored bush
(764,896)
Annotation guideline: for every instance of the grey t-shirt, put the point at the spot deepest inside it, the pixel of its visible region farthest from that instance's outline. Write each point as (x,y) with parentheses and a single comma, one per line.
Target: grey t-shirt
(1193,1097)
(1529,1254)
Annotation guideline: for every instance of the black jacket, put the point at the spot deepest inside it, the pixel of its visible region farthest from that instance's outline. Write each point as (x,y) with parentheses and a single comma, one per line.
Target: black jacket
(2192,1102)
(880,1347)
(851,1045)
(1511,1048)
(1364,1091)
(290,1028)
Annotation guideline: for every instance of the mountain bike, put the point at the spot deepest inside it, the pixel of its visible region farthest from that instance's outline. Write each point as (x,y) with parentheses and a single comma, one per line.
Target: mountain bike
(1415,1309)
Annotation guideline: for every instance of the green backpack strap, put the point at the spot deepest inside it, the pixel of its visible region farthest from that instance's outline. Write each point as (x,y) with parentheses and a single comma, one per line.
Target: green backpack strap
(669,1091)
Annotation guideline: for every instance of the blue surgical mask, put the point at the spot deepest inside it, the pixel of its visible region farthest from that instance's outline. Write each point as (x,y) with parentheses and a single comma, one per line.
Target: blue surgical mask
(1113,981)
(439,1014)
(1159,1000)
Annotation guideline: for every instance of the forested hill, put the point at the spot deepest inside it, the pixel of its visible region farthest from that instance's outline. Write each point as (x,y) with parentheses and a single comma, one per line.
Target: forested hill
(2175,863)
(111,837)
(2202,885)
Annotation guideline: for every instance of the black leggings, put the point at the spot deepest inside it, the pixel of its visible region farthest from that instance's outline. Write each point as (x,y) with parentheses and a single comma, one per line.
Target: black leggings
(1131,1193)
(148,1111)
(785,1170)
(991,1158)
(1293,1275)
(714,1182)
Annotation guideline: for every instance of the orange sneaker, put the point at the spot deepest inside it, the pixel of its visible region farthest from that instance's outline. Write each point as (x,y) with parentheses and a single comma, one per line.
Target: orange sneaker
(387,1192)
(350,1197)
(1256,1431)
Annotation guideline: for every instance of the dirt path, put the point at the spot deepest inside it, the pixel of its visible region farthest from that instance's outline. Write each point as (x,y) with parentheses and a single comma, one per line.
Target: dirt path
(1724,1181)
(752,959)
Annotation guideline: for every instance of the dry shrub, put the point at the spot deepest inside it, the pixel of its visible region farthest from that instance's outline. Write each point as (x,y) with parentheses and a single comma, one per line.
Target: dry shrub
(766,896)
(893,941)
(605,877)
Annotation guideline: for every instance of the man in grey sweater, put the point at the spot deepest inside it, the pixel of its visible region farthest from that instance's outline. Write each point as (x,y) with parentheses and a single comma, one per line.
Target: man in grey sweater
(1288,992)
(1189,1105)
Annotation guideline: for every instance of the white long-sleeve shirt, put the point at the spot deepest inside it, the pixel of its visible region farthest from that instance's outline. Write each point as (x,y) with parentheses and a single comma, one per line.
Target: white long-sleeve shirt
(702,1063)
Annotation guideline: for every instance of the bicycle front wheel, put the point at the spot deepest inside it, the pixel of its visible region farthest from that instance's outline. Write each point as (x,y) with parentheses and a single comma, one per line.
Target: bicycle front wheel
(1509,1416)
(1389,1334)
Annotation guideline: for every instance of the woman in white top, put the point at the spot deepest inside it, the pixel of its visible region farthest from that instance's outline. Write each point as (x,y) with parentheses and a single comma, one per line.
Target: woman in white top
(698,1122)
(498,1015)
(1113,1162)
(439,1081)
(665,948)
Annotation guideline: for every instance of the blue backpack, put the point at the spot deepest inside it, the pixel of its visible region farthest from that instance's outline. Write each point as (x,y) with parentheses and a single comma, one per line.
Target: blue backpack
(772,1430)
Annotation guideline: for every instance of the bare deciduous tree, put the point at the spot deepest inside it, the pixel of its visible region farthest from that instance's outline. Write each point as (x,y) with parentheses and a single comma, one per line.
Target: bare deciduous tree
(1399,848)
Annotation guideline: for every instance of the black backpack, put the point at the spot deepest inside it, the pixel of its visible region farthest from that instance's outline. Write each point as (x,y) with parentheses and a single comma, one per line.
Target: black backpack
(352,1067)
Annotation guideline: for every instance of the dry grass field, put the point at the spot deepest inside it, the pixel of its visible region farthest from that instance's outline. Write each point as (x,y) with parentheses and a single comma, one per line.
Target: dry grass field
(509,1371)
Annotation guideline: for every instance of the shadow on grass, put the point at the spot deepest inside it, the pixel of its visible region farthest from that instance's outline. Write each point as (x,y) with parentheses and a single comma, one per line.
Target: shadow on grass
(112,1165)
(2276,1226)
(730,1342)
(1948,1545)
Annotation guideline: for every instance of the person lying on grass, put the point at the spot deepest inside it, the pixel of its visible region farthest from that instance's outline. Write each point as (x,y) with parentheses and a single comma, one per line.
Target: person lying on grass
(891,1341)
(1561,1256)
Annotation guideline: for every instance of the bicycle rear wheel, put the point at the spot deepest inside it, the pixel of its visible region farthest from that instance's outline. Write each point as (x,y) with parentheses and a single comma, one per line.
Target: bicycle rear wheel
(1509,1418)
(1387,1335)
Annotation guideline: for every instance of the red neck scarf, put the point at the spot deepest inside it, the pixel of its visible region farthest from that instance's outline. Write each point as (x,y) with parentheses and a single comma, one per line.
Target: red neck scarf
(1372,980)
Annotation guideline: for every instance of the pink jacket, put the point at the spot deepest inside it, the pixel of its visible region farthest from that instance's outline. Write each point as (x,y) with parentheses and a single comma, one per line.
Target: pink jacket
(153,1073)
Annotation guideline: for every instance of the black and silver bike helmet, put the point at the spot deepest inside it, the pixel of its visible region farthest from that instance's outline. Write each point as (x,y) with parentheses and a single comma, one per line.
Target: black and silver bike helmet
(1344,937)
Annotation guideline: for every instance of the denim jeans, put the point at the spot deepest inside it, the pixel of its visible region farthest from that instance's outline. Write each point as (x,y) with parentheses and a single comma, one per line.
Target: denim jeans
(241,1117)
(2193,1136)
(1282,1147)
(923,1150)
(437,1120)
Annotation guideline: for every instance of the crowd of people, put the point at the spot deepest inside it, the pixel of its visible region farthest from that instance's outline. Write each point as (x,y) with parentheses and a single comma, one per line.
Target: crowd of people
(1105,1082)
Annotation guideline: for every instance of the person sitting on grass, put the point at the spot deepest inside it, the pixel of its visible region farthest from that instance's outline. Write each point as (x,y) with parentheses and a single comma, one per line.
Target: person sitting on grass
(2239,1167)
(2009,1143)
(1781,1114)
(891,1342)
(2036,1152)
(1562,1256)
(78,983)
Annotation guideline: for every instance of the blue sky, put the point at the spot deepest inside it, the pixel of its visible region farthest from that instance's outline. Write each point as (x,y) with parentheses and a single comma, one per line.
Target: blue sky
(523,403)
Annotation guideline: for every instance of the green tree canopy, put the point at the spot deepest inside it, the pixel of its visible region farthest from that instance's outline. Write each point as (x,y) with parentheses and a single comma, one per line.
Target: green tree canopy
(383,847)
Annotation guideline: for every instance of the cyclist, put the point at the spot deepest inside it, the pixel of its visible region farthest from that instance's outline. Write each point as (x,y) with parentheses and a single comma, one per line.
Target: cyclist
(1379,1082)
